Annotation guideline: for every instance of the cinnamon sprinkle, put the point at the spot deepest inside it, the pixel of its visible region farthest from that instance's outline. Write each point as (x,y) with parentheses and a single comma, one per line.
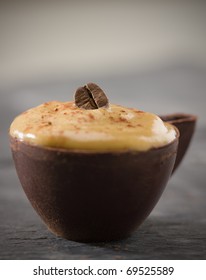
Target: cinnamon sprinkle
(91,116)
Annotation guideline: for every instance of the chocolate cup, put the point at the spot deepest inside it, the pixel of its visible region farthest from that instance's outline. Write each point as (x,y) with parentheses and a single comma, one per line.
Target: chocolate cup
(185,123)
(92,197)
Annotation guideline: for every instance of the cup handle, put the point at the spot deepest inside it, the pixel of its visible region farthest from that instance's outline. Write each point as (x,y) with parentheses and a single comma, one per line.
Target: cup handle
(185,123)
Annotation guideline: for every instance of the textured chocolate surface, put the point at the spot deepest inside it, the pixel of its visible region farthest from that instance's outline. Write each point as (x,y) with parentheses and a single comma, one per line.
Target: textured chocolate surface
(93,196)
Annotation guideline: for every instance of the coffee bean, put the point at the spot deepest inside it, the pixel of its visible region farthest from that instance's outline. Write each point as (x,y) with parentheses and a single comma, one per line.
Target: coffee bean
(90,97)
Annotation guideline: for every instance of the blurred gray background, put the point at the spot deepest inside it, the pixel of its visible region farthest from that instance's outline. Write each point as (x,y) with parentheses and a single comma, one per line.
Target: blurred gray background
(145,54)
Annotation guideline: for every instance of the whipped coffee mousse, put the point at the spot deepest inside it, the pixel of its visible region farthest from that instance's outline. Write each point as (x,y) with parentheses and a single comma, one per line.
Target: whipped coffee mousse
(90,123)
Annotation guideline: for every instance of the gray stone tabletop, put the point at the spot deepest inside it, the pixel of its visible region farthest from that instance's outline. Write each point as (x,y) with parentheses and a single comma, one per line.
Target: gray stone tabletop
(176,228)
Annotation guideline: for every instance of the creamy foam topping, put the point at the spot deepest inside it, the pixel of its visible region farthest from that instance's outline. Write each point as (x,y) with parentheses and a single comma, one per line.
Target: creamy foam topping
(116,128)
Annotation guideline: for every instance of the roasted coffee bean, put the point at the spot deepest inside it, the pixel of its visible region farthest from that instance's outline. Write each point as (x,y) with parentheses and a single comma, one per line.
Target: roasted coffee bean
(90,97)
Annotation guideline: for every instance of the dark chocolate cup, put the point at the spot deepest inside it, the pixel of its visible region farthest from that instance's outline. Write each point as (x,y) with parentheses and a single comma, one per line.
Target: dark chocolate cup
(92,197)
(186,125)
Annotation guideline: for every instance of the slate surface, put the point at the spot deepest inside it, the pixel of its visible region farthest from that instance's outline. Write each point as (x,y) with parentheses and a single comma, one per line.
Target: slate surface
(176,229)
